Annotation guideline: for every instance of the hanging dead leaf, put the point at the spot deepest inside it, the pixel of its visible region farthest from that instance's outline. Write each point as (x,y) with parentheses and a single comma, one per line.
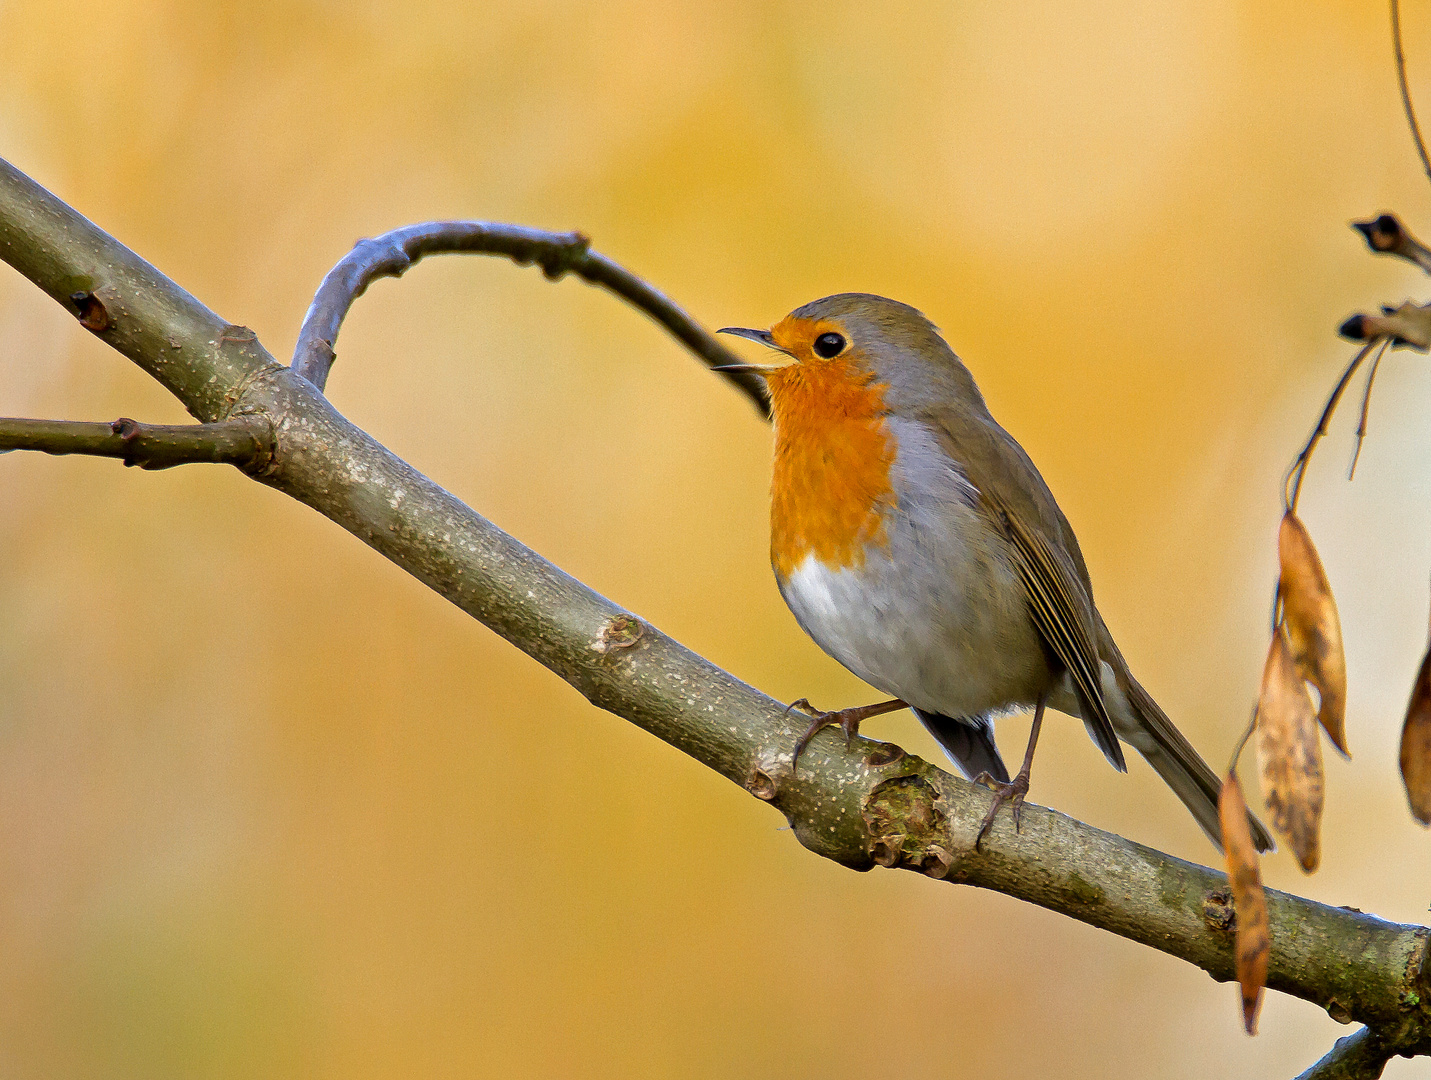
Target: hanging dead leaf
(1289,754)
(1313,630)
(1416,745)
(1249,902)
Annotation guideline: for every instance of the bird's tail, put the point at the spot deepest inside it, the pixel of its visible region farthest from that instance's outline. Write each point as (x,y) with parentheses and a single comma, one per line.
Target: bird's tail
(1144,726)
(970,744)
(1182,769)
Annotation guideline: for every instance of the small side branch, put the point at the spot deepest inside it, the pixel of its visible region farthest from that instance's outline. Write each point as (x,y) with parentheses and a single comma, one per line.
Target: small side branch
(243,441)
(391,254)
(1361,1055)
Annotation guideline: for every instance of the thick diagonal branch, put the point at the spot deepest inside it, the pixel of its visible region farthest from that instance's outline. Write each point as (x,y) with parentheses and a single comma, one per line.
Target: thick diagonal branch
(391,254)
(861,806)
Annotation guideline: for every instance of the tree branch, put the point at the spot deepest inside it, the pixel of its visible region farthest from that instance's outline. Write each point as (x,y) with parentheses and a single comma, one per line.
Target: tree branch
(1359,1056)
(391,254)
(861,805)
(242,442)
(125,302)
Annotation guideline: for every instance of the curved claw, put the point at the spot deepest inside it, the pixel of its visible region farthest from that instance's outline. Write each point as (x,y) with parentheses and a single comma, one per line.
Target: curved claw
(848,721)
(821,721)
(1015,790)
(1012,793)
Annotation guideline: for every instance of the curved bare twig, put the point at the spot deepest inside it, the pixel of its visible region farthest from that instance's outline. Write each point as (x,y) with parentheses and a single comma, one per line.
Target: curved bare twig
(391,254)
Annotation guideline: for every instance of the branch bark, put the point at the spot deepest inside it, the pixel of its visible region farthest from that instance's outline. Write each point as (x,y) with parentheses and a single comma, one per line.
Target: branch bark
(558,254)
(242,442)
(863,805)
(1360,1056)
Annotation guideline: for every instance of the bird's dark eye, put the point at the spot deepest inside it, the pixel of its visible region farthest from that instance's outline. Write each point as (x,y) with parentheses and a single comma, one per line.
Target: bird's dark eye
(828,345)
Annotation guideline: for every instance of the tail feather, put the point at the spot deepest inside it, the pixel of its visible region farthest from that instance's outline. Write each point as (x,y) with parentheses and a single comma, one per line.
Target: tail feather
(1142,724)
(969,743)
(1183,770)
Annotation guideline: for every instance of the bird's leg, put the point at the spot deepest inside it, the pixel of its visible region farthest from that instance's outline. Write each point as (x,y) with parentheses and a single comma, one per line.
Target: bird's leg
(848,720)
(1014,791)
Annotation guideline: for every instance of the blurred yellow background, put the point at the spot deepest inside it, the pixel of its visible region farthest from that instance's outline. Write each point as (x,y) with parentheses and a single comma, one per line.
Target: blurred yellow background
(271,808)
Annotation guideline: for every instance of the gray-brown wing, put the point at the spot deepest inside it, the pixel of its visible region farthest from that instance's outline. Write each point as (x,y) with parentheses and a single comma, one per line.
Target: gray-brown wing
(1063,613)
(1049,562)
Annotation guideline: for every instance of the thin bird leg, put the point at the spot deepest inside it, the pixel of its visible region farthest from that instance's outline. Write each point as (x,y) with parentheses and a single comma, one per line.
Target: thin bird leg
(848,720)
(1014,791)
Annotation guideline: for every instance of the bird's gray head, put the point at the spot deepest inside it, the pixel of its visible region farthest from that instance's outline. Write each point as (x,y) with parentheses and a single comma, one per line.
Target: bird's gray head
(893,341)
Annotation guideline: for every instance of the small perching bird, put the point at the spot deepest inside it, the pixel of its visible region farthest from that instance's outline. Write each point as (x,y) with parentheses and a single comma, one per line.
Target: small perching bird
(914,540)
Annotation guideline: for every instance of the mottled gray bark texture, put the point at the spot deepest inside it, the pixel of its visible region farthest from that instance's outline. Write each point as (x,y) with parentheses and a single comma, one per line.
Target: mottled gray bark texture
(1360,1056)
(863,805)
(243,441)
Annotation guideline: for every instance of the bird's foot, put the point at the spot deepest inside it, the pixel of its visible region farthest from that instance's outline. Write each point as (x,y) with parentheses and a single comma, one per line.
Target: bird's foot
(1012,793)
(847,720)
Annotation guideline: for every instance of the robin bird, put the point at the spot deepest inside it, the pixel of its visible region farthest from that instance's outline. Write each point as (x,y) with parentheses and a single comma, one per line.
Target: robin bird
(918,545)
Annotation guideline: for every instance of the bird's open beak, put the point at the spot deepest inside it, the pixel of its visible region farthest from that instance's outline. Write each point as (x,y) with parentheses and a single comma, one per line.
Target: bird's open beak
(762,336)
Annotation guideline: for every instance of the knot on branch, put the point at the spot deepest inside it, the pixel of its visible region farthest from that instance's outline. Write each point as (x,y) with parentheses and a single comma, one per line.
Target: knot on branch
(93,315)
(1218,912)
(908,826)
(883,754)
(622,632)
(128,431)
(761,784)
(382,256)
(559,258)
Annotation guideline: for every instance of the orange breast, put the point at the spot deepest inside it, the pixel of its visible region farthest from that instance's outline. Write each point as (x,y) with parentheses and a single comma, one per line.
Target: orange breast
(831,486)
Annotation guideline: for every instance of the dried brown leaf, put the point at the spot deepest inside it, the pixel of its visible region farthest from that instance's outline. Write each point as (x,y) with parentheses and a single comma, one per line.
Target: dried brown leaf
(1416,745)
(1249,902)
(1289,754)
(1314,631)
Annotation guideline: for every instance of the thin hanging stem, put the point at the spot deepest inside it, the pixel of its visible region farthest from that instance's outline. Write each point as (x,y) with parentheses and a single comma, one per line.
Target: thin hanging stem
(1246,734)
(1405,92)
(1366,407)
(1292,482)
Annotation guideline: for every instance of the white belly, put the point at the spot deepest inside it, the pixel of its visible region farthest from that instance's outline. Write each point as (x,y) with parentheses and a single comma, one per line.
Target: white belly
(955,643)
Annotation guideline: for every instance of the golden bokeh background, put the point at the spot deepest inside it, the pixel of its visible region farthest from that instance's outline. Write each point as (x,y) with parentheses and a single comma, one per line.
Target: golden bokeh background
(271,808)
